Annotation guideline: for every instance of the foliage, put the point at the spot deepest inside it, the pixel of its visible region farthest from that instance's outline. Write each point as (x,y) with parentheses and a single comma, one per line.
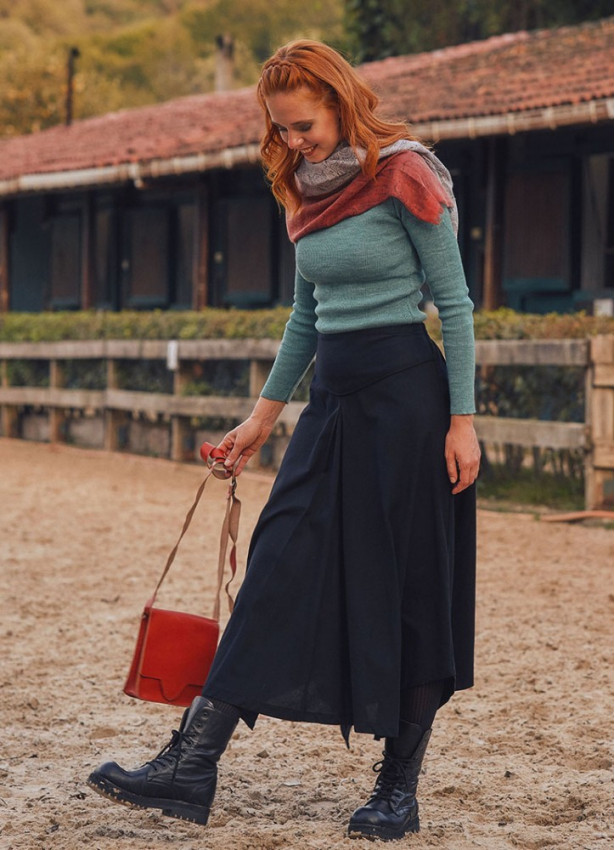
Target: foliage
(85,374)
(505,323)
(28,373)
(265,324)
(149,376)
(556,491)
(218,377)
(549,393)
(136,52)
(157,324)
(380,28)
(32,96)
(262,24)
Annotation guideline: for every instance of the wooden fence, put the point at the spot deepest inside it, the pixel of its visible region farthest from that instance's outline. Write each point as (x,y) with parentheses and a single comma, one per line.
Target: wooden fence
(594,436)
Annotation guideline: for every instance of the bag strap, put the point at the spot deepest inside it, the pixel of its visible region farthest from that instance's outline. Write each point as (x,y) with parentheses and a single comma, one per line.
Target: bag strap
(230,529)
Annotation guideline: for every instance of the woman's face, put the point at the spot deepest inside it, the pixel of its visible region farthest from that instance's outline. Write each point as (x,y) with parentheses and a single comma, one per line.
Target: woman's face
(305,123)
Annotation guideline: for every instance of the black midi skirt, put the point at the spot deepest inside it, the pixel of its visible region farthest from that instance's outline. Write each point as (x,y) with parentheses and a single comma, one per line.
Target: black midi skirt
(361,570)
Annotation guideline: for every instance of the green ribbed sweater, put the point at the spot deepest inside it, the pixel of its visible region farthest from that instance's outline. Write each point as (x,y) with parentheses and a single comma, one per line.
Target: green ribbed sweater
(367,271)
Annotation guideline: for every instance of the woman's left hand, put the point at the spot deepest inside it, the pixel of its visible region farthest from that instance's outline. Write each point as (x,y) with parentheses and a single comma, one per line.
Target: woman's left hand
(462,452)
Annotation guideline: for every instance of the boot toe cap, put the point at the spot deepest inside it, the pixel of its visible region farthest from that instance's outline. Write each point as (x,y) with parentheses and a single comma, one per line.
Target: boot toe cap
(109,773)
(369,816)
(381,821)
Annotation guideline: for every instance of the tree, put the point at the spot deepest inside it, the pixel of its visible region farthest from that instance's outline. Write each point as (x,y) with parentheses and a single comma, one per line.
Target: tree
(380,28)
(137,52)
(263,24)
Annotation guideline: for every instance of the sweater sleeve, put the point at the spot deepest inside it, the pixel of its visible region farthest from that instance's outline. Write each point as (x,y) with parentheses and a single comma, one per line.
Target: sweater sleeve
(298,345)
(438,252)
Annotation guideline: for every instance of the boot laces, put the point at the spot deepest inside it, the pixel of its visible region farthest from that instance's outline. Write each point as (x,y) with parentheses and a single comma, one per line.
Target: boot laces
(392,781)
(170,753)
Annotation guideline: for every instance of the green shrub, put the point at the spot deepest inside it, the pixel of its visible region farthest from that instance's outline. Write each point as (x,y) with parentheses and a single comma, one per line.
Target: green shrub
(550,490)
(157,324)
(28,373)
(265,324)
(505,323)
(218,377)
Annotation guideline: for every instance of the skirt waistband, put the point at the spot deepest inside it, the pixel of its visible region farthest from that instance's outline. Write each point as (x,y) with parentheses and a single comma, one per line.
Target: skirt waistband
(349,361)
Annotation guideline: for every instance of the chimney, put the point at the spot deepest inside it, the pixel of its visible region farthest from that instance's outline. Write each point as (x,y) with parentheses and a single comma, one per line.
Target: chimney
(224,63)
(73,55)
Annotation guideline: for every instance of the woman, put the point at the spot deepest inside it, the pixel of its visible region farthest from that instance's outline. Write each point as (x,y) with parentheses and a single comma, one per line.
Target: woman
(358,602)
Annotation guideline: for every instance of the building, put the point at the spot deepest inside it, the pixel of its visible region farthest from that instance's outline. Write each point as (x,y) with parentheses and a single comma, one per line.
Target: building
(166,206)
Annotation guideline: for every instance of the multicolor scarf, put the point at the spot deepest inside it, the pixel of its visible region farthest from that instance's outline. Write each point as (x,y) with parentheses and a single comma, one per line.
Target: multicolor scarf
(336,189)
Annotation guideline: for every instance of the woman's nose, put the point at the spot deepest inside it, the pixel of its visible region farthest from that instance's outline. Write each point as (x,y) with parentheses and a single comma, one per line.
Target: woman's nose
(295,140)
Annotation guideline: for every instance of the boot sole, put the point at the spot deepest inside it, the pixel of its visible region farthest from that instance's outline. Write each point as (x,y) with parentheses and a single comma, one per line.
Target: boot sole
(170,808)
(381,833)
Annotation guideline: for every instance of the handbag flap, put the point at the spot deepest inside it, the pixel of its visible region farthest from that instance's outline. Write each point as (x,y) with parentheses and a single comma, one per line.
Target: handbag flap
(179,649)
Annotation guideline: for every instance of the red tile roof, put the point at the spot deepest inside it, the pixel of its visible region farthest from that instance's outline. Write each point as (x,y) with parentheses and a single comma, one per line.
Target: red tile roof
(500,76)
(507,73)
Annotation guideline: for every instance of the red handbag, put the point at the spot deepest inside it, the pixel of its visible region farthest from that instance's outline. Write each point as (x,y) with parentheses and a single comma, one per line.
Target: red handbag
(174,649)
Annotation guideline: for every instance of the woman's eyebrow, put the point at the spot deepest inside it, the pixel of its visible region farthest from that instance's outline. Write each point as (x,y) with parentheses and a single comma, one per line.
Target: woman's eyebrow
(294,123)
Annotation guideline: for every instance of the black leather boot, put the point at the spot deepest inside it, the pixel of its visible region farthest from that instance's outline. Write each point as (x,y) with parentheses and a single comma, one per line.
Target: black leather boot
(392,810)
(181,780)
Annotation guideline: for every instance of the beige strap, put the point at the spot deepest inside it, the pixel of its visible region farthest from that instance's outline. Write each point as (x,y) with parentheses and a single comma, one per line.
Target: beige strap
(230,528)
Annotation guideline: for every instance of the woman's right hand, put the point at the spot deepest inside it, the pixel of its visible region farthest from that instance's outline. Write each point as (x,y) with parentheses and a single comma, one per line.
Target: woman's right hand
(246,439)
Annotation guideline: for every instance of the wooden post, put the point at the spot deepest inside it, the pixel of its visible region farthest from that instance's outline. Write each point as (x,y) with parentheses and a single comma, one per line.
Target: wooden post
(87,258)
(112,417)
(599,421)
(4,260)
(200,283)
(259,371)
(179,424)
(492,272)
(9,411)
(57,415)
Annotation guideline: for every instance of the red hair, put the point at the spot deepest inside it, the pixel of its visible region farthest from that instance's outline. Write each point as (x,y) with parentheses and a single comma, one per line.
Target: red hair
(311,65)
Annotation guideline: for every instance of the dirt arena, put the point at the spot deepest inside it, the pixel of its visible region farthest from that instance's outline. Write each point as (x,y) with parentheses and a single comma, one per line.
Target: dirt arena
(521,761)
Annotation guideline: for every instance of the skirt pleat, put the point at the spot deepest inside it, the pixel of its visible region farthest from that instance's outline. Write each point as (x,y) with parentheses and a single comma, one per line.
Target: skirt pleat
(361,569)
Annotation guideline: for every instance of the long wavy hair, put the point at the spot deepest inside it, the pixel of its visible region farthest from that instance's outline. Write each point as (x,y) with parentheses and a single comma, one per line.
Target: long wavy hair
(311,65)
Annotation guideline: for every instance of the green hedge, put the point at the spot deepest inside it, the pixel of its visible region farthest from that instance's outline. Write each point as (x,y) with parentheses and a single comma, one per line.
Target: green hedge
(157,324)
(508,324)
(265,324)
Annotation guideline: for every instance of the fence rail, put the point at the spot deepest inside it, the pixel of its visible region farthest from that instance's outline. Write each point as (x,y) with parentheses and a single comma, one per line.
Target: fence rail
(595,356)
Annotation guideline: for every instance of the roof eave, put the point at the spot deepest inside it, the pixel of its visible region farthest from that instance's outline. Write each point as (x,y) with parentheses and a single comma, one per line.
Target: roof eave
(548,118)
(509,123)
(129,172)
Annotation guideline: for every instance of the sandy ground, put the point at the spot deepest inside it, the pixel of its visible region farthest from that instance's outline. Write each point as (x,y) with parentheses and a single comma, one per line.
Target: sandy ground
(521,761)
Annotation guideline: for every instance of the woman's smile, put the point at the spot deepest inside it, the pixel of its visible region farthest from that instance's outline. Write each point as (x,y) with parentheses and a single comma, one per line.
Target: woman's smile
(305,124)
